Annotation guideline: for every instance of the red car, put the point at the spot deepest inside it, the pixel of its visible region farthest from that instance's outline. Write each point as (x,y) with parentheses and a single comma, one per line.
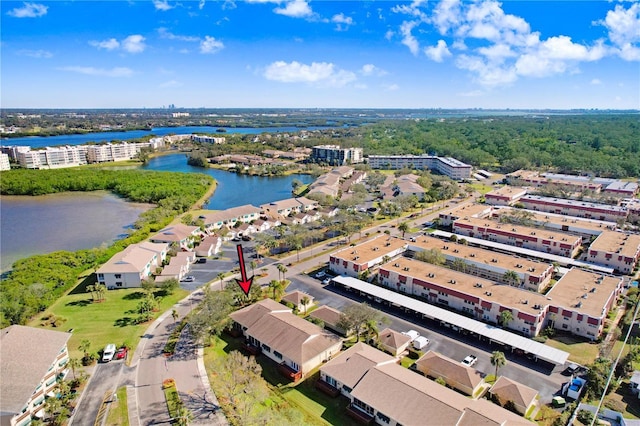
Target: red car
(122,353)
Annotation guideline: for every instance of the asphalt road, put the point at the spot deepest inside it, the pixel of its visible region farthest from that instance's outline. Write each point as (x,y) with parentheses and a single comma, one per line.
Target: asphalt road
(105,379)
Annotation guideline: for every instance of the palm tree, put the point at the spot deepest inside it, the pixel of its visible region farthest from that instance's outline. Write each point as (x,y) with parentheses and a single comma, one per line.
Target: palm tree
(459,265)
(284,270)
(73,364)
(505,317)
(371,328)
(511,277)
(84,347)
(174,315)
(220,276)
(498,360)
(276,286)
(403,227)
(305,301)
(91,288)
(253,265)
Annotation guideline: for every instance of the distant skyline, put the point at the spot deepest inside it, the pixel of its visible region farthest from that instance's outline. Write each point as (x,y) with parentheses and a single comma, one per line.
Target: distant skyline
(320,54)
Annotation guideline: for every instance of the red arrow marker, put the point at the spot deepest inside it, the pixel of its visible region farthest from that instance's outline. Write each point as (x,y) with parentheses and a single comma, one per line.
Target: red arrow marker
(244,283)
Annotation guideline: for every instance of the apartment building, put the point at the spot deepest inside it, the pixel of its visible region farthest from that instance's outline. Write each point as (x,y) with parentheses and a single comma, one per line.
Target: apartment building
(520,236)
(384,393)
(131,266)
(447,166)
(208,139)
(289,206)
(579,301)
(536,179)
(53,158)
(447,218)
(216,220)
(179,234)
(586,228)
(408,185)
(505,196)
(334,155)
(4,162)
(112,152)
(609,186)
(492,265)
(33,359)
(297,345)
(575,208)
(352,261)
(617,250)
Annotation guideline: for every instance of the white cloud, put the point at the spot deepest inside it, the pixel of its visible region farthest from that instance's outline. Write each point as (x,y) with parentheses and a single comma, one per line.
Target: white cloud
(370,69)
(29,10)
(134,44)
(486,73)
(412,9)
(596,81)
(407,37)
(110,44)
(100,72)
(295,9)
(211,45)
(391,87)
(623,24)
(162,5)
(38,54)
(389,34)
(171,83)
(165,33)
(228,5)
(446,15)
(342,22)
(438,52)
(318,73)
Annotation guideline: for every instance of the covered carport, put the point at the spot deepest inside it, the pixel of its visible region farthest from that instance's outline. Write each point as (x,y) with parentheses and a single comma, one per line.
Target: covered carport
(495,334)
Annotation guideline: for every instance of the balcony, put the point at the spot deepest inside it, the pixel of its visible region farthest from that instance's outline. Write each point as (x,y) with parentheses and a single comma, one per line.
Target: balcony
(251,349)
(289,372)
(326,388)
(358,415)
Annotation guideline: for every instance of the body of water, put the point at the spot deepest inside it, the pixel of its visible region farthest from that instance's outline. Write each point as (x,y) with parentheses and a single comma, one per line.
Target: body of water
(44,141)
(233,189)
(67,221)
(73,221)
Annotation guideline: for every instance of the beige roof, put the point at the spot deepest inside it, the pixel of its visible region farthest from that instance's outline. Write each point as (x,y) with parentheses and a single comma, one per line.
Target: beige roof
(327,314)
(350,366)
(437,365)
(292,336)
(521,230)
(469,210)
(175,233)
(132,259)
(393,339)
(507,191)
(480,255)
(510,390)
(370,250)
(253,313)
(588,290)
(296,297)
(484,408)
(26,354)
(230,214)
(559,219)
(409,398)
(288,203)
(619,243)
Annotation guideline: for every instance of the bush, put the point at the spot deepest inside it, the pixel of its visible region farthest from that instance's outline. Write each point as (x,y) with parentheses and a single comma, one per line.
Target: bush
(585,417)
(615,405)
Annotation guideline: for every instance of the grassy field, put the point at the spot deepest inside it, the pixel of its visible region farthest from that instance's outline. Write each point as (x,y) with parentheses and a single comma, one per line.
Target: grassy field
(316,407)
(480,187)
(109,321)
(580,351)
(118,412)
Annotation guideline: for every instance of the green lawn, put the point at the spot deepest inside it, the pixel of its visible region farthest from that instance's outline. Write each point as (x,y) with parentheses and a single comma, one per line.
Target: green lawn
(109,321)
(580,351)
(480,187)
(118,412)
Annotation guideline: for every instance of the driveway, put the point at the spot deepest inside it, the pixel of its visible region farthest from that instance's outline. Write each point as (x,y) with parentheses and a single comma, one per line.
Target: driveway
(105,378)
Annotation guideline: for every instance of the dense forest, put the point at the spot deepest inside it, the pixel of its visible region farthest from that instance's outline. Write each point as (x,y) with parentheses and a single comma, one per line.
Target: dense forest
(35,282)
(607,145)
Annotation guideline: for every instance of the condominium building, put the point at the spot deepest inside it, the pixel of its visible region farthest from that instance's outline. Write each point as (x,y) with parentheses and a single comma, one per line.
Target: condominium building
(289,206)
(229,217)
(4,162)
(353,261)
(537,239)
(131,266)
(447,218)
(112,152)
(492,265)
(53,158)
(335,155)
(617,250)
(536,179)
(33,359)
(208,139)
(505,196)
(576,208)
(447,166)
(579,301)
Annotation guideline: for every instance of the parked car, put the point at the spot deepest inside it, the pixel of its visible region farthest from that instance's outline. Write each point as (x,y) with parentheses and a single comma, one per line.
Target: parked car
(246,238)
(201,260)
(122,353)
(326,281)
(108,352)
(321,274)
(189,279)
(470,360)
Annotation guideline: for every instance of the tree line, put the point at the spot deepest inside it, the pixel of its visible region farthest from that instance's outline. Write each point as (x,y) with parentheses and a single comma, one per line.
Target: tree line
(37,281)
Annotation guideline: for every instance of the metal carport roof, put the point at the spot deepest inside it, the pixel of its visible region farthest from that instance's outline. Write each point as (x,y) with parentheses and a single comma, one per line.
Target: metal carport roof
(496,334)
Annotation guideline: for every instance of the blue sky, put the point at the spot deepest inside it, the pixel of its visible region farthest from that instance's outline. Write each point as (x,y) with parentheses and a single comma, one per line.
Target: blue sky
(302,53)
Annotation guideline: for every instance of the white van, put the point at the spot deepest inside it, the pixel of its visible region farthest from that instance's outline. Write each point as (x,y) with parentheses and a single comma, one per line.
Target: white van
(109,352)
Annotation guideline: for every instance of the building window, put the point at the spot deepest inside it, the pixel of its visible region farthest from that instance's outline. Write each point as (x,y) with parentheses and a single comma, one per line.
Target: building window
(295,366)
(118,276)
(382,417)
(266,348)
(100,277)
(331,381)
(364,407)
(119,284)
(277,354)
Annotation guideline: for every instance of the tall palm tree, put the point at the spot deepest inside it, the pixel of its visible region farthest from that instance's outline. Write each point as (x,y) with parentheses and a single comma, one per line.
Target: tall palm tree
(505,318)
(253,265)
(220,276)
(498,360)
(305,301)
(511,277)
(74,363)
(284,270)
(403,227)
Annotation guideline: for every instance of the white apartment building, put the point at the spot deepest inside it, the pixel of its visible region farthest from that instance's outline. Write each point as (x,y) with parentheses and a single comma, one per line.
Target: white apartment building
(335,155)
(4,162)
(576,208)
(617,250)
(208,139)
(131,266)
(112,152)
(447,166)
(53,158)
(352,261)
